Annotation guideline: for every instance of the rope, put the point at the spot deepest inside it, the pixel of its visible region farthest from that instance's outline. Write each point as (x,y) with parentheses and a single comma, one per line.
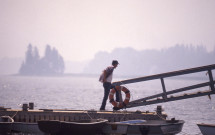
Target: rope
(160,116)
(11,118)
(14,114)
(89,115)
(123,117)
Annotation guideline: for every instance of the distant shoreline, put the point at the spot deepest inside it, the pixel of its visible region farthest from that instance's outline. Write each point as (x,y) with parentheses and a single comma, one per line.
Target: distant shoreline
(124,77)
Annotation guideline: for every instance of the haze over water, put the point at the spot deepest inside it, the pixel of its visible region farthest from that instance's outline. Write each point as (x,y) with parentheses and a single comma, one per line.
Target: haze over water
(82,92)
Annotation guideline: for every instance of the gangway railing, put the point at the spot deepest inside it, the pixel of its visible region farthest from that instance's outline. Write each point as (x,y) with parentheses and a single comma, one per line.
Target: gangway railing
(165,95)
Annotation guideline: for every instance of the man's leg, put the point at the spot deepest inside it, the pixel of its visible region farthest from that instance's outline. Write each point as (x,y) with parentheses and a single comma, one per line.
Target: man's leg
(117,96)
(107,87)
(117,93)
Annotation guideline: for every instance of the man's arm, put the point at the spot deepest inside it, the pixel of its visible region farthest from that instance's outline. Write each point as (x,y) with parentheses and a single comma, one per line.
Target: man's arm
(105,74)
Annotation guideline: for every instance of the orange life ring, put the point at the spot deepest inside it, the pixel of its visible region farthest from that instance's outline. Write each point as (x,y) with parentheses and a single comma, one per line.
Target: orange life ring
(123,104)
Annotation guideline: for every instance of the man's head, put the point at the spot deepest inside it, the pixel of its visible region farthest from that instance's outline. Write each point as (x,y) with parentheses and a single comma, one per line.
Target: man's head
(115,63)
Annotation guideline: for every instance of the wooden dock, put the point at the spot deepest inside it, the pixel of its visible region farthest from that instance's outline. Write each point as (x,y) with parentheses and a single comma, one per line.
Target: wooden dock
(32,116)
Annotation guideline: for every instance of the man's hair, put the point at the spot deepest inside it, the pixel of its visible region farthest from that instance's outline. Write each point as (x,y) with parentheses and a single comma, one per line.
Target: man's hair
(115,62)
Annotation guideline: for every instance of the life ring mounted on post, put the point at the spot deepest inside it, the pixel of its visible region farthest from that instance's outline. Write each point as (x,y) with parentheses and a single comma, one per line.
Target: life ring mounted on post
(119,105)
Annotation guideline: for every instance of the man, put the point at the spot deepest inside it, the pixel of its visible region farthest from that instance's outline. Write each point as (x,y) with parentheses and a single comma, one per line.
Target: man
(106,79)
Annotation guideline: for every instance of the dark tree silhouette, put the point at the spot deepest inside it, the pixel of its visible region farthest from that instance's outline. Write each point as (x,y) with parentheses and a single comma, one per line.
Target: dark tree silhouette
(148,62)
(51,63)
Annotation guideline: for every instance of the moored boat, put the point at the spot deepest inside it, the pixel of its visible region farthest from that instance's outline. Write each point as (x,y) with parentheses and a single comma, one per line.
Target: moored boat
(80,127)
(49,126)
(148,127)
(207,129)
(5,124)
(24,127)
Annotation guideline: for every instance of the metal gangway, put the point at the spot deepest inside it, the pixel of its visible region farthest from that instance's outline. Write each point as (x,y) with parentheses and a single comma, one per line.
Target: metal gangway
(167,96)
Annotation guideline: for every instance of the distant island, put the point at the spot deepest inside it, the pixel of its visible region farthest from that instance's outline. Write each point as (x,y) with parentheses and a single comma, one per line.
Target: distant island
(148,62)
(132,62)
(51,64)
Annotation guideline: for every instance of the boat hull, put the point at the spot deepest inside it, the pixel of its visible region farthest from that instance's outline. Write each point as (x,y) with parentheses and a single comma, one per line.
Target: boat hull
(49,126)
(149,127)
(5,124)
(207,129)
(23,127)
(19,127)
(81,127)
(5,127)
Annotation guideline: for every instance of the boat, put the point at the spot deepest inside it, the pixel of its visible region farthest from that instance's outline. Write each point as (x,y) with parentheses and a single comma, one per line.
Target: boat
(145,127)
(5,124)
(80,127)
(49,126)
(91,127)
(24,127)
(207,129)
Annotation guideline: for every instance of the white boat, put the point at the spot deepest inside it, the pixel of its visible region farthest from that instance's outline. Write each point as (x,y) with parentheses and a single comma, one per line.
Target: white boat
(148,127)
(5,124)
(207,129)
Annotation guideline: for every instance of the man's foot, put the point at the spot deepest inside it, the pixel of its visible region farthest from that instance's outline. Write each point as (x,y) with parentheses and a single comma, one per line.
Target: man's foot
(115,108)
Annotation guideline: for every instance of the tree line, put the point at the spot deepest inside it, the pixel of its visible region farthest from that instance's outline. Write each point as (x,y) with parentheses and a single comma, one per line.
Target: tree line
(51,64)
(148,62)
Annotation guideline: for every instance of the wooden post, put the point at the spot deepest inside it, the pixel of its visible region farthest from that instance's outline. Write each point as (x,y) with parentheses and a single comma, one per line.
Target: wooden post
(211,80)
(159,110)
(25,107)
(31,106)
(164,89)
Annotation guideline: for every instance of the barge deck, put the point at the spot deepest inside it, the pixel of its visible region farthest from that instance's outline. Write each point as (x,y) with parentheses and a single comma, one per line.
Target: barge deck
(32,116)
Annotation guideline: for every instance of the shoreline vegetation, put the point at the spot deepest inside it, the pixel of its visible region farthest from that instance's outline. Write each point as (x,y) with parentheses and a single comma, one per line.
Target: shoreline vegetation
(123,77)
(51,64)
(133,63)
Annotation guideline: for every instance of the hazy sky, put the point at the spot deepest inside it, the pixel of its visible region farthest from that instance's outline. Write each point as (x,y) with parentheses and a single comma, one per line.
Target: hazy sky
(80,28)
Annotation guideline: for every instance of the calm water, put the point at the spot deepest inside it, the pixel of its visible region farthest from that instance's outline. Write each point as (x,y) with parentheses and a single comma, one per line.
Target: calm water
(80,92)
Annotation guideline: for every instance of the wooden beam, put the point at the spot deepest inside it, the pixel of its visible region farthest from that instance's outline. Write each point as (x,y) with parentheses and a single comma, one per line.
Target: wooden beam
(164,89)
(156,101)
(164,75)
(174,91)
(152,99)
(211,80)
